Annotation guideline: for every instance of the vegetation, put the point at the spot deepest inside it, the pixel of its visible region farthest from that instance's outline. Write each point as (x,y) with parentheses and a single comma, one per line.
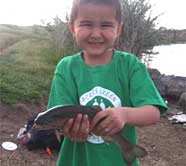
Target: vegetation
(26,67)
(139,33)
(60,38)
(28,55)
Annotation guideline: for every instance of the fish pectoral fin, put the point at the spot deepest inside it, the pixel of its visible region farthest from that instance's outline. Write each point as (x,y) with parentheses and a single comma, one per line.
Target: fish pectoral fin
(58,135)
(107,139)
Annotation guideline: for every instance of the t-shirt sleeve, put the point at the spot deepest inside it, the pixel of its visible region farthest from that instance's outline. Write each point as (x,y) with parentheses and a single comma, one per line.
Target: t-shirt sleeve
(62,89)
(142,88)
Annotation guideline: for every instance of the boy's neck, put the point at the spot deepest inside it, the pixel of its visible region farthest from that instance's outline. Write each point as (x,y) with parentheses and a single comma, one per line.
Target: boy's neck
(97,60)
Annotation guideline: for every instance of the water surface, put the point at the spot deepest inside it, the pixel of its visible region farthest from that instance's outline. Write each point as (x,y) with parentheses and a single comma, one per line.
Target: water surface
(171,59)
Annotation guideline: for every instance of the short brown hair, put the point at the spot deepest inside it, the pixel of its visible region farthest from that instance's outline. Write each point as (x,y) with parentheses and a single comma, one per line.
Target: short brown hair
(114,3)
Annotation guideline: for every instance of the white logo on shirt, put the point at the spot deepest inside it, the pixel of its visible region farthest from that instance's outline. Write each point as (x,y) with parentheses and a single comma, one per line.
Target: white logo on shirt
(104,98)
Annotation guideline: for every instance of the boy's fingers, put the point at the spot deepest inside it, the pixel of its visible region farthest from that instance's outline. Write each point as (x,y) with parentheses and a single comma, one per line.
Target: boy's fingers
(84,128)
(67,127)
(76,126)
(82,133)
(99,116)
(106,123)
(79,131)
(113,131)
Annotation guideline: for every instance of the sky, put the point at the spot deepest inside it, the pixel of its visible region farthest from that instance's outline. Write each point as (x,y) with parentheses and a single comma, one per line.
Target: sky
(30,12)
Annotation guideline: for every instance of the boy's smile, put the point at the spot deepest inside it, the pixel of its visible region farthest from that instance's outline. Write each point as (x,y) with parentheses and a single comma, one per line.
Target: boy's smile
(95,30)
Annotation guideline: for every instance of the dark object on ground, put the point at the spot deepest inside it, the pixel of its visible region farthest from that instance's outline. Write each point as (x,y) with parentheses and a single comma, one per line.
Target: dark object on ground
(182,102)
(43,139)
(36,139)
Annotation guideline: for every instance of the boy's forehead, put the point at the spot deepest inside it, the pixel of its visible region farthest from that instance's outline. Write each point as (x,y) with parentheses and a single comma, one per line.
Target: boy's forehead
(95,11)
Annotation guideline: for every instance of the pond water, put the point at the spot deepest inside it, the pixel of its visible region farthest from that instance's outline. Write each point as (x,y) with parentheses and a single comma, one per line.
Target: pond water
(171,59)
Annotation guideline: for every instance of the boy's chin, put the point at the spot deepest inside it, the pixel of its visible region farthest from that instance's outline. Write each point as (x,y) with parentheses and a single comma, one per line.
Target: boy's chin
(96,52)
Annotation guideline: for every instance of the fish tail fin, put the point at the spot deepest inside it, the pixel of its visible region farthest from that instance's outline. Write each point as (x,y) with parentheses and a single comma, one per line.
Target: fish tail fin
(138,151)
(130,151)
(133,153)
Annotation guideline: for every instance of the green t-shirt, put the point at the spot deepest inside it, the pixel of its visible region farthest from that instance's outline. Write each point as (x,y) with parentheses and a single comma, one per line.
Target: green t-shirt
(124,81)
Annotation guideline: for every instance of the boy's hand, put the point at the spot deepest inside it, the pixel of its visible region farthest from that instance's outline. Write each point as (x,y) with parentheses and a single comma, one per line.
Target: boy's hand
(109,121)
(77,129)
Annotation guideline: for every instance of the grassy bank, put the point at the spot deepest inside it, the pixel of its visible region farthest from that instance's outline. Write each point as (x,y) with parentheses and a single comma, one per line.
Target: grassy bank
(26,69)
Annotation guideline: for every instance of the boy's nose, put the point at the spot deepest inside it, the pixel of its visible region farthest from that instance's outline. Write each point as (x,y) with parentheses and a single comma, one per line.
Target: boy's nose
(96,32)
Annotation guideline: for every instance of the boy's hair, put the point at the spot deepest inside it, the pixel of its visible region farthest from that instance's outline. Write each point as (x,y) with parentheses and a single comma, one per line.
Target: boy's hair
(113,3)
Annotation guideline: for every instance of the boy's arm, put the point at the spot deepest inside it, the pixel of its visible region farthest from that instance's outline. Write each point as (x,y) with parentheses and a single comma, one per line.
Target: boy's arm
(142,116)
(116,118)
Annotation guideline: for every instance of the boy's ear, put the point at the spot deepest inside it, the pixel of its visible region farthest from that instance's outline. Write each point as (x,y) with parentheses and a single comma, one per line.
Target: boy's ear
(71,27)
(119,30)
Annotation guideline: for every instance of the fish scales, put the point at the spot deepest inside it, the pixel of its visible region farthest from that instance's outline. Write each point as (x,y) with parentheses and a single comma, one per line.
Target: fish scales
(68,111)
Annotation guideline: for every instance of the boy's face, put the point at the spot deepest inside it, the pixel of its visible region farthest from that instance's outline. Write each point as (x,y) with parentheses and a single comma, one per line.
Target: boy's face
(95,29)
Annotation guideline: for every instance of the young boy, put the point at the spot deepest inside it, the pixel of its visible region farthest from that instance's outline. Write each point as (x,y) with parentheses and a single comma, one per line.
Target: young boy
(99,75)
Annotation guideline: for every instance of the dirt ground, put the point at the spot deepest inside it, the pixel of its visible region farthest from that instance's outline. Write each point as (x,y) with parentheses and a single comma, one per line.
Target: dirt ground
(165,142)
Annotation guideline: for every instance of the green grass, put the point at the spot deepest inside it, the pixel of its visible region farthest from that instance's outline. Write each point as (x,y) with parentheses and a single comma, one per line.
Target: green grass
(26,71)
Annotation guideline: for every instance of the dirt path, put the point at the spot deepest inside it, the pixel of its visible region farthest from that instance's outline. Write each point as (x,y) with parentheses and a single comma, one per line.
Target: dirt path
(165,143)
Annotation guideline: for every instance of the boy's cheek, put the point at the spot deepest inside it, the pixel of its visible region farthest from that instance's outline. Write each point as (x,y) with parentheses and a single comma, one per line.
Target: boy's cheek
(82,31)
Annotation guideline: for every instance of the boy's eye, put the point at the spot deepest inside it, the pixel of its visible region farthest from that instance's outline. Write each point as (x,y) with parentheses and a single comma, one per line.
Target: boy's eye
(86,24)
(105,25)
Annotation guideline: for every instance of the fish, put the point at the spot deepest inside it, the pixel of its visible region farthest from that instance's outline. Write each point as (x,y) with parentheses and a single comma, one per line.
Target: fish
(57,116)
